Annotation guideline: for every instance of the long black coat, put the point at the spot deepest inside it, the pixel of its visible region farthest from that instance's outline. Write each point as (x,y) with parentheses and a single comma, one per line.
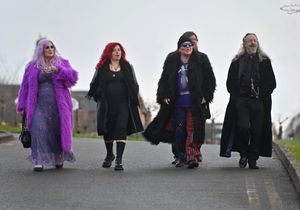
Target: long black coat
(267,85)
(98,93)
(202,83)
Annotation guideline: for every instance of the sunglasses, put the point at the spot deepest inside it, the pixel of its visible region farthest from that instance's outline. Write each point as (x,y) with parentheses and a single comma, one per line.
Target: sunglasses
(49,47)
(186,44)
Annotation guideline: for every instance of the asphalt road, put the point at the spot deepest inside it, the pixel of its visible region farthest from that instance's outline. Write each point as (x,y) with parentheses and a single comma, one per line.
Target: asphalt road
(148,182)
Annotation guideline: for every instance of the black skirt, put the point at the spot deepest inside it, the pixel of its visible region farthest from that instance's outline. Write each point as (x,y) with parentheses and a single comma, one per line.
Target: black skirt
(118,108)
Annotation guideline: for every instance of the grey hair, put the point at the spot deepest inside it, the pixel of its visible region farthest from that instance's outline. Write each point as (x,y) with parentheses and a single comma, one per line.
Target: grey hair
(261,54)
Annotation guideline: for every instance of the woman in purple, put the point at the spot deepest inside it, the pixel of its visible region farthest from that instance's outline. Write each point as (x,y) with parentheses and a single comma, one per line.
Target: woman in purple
(45,97)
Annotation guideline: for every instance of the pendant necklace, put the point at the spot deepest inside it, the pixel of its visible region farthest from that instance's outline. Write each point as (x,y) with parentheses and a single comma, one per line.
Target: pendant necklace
(114,69)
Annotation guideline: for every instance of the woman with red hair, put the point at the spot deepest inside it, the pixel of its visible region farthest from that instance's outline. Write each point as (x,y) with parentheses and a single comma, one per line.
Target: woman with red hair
(115,89)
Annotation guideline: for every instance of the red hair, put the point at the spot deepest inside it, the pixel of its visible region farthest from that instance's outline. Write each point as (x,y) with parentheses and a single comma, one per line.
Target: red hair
(107,52)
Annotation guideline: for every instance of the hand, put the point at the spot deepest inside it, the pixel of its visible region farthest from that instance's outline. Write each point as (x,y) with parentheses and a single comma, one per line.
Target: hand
(203,101)
(167,101)
(46,69)
(49,69)
(54,69)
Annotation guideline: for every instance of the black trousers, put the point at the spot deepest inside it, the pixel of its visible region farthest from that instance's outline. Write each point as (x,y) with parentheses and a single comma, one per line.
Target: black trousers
(250,118)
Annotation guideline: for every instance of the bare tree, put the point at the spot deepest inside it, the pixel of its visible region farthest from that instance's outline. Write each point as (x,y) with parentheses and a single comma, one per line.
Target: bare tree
(9,72)
(280,122)
(291,8)
(152,107)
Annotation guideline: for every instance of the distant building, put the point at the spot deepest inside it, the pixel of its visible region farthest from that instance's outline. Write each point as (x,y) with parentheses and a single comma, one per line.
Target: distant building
(84,117)
(8,96)
(213,132)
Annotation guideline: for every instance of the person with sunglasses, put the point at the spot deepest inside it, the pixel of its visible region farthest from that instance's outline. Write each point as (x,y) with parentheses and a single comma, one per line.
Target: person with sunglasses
(194,38)
(186,84)
(45,97)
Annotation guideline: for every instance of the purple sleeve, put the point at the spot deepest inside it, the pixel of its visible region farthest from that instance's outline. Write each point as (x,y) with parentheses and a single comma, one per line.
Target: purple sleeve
(66,74)
(23,92)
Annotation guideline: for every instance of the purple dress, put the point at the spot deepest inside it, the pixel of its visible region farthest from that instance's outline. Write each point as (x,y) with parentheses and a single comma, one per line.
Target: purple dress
(45,129)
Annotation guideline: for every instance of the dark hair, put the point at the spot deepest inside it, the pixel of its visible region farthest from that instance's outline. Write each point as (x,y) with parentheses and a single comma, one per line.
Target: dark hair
(183,39)
(189,34)
(106,54)
(247,34)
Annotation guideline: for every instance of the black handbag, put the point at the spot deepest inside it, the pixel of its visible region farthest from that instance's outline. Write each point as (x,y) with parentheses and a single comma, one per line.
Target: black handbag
(25,136)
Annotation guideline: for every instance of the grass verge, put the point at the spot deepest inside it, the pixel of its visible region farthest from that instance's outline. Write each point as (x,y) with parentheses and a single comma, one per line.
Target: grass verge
(15,129)
(10,129)
(95,136)
(293,146)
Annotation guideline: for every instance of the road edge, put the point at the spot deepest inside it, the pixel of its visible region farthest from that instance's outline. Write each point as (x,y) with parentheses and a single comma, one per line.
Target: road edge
(289,163)
(5,137)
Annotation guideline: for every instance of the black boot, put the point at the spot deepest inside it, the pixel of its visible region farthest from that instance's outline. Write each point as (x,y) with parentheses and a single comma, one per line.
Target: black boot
(243,162)
(109,155)
(252,164)
(120,150)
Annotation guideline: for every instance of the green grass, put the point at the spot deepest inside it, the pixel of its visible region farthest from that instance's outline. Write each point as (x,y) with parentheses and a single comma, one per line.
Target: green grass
(15,129)
(293,146)
(10,128)
(85,135)
(135,138)
(94,135)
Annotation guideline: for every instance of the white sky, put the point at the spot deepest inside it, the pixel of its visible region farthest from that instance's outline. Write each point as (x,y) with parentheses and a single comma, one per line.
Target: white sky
(149,30)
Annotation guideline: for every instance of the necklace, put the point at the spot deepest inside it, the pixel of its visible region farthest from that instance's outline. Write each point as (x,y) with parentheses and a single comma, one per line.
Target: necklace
(114,68)
(46,69)
(253,89)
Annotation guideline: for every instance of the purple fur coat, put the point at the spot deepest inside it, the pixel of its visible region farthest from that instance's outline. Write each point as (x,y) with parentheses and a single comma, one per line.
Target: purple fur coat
(62,81)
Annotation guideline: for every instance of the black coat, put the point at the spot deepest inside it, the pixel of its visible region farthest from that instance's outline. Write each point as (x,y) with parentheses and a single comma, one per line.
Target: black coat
(202,83)
(98,93)
(267,84)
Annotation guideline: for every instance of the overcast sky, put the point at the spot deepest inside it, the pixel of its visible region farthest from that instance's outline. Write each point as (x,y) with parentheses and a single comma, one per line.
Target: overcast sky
(149,30)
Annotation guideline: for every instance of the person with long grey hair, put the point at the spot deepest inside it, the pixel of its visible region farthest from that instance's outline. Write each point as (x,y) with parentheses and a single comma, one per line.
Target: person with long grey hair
(260,52)
(45,97)
(247,126)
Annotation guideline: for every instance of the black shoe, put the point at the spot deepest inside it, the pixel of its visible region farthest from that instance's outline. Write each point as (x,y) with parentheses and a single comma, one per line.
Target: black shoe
(175,161)
(107,161)
(38,168)
(252,165)
(193,164)
(200,158)
(119,167)
(243,162)
(59,166)
(179,164)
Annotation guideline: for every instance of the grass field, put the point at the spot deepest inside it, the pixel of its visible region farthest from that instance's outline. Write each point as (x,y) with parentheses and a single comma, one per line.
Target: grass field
(94,135)
(15,129)
(293,147)
(10,129)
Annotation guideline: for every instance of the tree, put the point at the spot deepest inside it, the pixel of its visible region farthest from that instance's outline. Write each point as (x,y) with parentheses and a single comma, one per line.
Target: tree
(8,72)
(291,8)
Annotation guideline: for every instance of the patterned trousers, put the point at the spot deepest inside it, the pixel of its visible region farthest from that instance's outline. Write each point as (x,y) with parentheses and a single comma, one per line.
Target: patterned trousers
(187,148)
